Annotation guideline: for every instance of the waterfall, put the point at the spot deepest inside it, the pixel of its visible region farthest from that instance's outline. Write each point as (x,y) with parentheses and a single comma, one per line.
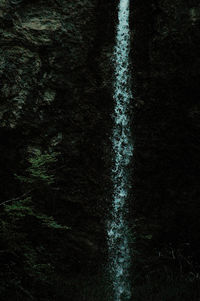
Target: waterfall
(118,246)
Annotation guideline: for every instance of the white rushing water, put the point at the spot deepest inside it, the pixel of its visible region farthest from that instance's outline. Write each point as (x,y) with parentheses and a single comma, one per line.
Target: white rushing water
(119,253)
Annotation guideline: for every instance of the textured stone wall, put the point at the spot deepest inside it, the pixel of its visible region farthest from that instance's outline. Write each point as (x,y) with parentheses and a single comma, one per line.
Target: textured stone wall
(55,81)
(166,76)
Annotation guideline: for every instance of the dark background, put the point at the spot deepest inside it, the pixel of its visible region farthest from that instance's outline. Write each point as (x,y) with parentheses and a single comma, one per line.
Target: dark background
(55,127)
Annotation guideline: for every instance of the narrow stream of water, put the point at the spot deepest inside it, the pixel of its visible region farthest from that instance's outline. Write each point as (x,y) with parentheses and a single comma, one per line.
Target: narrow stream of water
(118,238)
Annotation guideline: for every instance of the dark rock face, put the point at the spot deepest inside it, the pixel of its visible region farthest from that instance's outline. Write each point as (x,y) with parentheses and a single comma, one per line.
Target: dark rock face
(55,95)
(55,81)
(166,125)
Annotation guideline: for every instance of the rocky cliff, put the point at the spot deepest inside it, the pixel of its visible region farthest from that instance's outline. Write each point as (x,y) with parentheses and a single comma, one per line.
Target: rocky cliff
(55,79)
(166,76)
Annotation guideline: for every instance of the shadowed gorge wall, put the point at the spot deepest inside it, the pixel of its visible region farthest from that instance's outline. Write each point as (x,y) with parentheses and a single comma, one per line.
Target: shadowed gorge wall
(55,96)
(166,128)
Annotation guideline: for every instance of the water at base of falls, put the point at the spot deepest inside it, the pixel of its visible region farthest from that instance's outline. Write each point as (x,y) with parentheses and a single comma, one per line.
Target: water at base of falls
(117,228)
